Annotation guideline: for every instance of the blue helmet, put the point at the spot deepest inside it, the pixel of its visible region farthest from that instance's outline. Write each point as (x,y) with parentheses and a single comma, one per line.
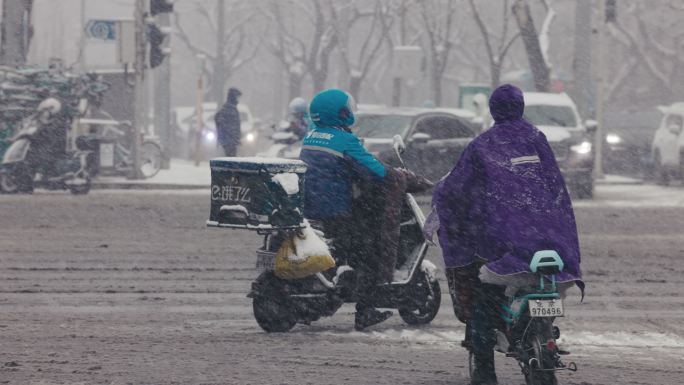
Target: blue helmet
(333,108)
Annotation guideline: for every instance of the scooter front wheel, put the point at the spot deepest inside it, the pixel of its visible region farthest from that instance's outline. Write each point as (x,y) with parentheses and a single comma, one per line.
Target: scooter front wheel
(425,301)
(16,180)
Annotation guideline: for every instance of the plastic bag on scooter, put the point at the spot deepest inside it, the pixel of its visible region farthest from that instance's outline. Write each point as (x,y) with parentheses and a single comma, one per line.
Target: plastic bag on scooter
(302,255)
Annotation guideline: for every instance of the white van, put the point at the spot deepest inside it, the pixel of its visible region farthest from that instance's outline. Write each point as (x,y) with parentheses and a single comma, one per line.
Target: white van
(668,144)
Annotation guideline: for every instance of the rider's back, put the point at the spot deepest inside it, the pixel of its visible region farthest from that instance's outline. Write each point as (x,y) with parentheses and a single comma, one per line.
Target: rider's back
(334,159)
(506,199)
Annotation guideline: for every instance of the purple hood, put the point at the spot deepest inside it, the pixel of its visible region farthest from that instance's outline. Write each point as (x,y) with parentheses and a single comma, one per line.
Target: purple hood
(506,199)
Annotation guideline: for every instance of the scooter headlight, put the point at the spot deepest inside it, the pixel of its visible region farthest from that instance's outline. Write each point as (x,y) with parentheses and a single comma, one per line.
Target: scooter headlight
(251,137)
(209,136)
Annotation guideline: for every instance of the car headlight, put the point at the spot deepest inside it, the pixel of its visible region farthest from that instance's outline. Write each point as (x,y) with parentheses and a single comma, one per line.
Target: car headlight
(613,139)
(209,136)
(583,148)
(250,137)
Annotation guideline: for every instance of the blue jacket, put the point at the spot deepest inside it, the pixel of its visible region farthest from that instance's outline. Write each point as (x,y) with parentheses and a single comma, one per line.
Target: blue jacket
(335,158)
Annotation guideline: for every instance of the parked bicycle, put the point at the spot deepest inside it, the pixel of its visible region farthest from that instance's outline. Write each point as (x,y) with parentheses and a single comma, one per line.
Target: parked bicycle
(116,148)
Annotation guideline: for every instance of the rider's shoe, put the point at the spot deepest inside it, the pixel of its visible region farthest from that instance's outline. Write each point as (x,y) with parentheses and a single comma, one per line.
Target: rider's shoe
(369,317)
(484,373)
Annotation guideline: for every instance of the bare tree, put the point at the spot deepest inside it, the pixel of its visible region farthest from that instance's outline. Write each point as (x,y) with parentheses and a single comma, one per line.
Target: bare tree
(233,47)
(16,31)
(536,56)
(662,58)
(358,63)
(438,23)
(496,53)
(302,51)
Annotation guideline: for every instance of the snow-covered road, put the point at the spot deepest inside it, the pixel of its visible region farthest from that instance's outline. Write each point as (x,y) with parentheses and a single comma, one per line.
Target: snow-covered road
(130,287)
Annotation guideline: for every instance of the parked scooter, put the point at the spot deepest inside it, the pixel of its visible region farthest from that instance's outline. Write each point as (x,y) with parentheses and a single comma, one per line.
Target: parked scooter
(244,196)
(36,159)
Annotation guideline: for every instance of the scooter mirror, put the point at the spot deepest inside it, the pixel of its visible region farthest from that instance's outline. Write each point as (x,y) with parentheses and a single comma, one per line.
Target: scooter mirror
(398,144)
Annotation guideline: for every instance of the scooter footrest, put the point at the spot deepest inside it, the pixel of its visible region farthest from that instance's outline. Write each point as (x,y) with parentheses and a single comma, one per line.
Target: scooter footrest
(563,352)
(512,354)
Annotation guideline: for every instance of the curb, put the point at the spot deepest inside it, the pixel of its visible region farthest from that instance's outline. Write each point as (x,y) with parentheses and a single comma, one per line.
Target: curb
(146,186)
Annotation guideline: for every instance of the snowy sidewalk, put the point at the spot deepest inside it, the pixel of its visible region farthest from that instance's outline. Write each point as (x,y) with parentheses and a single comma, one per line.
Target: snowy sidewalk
(183,174)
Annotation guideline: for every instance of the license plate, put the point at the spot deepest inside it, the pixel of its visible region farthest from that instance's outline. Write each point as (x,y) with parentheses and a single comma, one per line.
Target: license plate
(545,307)
(106,154)
(265,261)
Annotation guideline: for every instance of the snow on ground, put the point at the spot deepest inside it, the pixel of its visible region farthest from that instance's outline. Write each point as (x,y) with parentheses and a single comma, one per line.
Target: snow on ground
(633,195)
(450,338)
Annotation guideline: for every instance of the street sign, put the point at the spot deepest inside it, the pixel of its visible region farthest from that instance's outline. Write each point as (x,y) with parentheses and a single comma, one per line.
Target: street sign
(101,30)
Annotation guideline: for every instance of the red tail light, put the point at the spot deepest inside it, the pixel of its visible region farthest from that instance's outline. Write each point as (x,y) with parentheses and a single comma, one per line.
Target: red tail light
(551,345)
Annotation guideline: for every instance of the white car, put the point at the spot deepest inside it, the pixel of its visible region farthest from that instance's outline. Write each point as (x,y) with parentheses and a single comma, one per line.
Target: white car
(668,144)
(570,138)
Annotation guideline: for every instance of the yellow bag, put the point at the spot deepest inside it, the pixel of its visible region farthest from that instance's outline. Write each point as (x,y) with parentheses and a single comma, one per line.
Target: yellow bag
(302,255)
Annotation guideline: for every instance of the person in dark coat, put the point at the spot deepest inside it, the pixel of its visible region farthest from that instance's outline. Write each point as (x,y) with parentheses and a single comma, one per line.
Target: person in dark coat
(228,123)
(504,200)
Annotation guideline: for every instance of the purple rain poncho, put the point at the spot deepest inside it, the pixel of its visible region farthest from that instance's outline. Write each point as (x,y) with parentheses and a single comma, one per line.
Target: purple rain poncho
(506,199)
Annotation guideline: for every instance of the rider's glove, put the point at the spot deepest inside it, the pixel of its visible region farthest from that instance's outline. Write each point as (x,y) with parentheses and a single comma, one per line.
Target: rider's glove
(414,183)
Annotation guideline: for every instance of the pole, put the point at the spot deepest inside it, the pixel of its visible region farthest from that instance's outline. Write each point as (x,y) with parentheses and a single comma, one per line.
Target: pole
(598,139)
(140,102)
(582,60)
(220,68)
(162,99)
(14,29)
(200,115)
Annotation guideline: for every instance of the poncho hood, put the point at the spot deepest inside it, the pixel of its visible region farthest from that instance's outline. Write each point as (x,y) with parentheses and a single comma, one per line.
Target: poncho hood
(507,103)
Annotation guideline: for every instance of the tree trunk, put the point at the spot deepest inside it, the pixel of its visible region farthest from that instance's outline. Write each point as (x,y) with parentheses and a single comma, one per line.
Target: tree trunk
(355,83)
(495,74)
(319,78)
(16,31)
(581,90)
(295,85)
(528,32)
(436,81)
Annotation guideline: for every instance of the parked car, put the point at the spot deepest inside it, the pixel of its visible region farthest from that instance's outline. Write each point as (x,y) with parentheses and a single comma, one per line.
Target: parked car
(435,138)
(627,141)
(570,139)
(668,144)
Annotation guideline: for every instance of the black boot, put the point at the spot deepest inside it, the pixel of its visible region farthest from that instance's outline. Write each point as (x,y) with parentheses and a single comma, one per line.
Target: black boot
(484,373)
(368,317)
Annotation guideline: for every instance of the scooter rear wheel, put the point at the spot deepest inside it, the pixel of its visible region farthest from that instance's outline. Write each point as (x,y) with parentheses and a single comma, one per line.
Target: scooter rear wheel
(271,309)
(80,189)
(542,372)
(272,315)
(428,299)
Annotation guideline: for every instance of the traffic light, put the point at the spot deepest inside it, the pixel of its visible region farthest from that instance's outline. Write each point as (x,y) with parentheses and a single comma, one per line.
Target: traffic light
(611,11)
(156,35)
(160,6)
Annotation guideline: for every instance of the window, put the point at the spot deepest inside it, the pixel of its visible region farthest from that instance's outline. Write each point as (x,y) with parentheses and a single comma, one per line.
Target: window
(443,127)
(381,126)
(545,115)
